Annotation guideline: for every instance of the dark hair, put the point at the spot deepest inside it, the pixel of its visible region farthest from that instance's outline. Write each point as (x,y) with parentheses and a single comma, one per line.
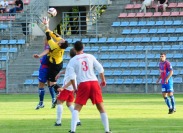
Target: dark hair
(64,45)
(163,53)
(78,46)
(72,52)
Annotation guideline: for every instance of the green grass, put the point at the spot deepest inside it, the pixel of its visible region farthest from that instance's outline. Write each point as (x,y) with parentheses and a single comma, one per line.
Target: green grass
(128,113)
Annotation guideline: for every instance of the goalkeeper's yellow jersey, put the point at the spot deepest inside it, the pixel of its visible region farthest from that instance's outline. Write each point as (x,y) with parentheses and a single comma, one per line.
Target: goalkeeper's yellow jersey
(56,53)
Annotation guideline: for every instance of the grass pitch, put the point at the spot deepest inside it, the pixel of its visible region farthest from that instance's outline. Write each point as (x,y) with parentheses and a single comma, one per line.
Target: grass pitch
(128,113)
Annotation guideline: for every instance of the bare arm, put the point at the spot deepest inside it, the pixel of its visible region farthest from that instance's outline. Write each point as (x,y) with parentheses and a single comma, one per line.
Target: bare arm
(103,82)
(158,79)
(65,86)
(170,74)
(74,85)
(45,52)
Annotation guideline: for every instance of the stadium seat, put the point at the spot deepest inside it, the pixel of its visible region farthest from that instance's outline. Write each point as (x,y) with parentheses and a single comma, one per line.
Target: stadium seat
(145,39)
(161,31)
(108,72)
(179,64)
(3,26)
(126,31)
(168,23)
(135,72)
(129,6)
(159,23)
(116,24)
(75,39)
(115,64)
(153,64)
(177,55)
(142,23)
(179,30)
(21,41)
(138,48)
(104,56)
(116,73)
(180,39)
(148,14)
(163,39)
(12,42)
(131,15)
(110,40)
(3,58)
(142,64)
(133,23)
(143,31)
(166,47)
(13,50)
(126,72)
(150,23)
(102,40)
(107,64)
(28,82)
(93,40)
(154,72)
(155,39)
(119,81)
(176,72)
(148,80)
(177,80)
(173,39)
(137,81)
(128,81)
(140,56)
(157,14)
(172,5)
(110,81)
(175,47)
(170,30)
(119,40)
(85,40)
(3,42)
(4,50)
(174,14)
(122,15)
(165,14)
(94,48)
(148,47)
(124,24)
(144,72)
(135,31)
(177,22)
(69,40)
(128,40)
(112,48)
(157,47)
(140,15)
(133,64)
(137,6)
(130,48)
(152,31)
(180,5)
(35,73)
(122,56)
(125,64)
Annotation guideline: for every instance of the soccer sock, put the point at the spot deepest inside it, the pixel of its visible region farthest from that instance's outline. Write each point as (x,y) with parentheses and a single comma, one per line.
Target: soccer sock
(172,101)
(41,95)
(59,113)
(105,121)
(52,93)
(167,101)
(71,108)
(75,114)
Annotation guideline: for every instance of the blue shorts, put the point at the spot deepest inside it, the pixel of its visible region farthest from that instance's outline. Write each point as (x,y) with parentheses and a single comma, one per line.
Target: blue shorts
(43,75)
(167,88)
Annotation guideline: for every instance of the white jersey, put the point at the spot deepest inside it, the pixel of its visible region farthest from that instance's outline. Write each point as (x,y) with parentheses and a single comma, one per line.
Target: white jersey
(83,66)
(67,79)
(4,4)
(147,2)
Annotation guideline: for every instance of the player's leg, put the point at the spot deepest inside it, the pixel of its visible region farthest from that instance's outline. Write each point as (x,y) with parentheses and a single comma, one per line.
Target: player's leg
(82,96)
(75,116)
(96,98)
(70,105)
(164,7)
(41,95)
(59,112)
(171,95)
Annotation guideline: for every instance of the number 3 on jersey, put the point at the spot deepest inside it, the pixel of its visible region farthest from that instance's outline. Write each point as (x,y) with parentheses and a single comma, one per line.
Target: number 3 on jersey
(85,66)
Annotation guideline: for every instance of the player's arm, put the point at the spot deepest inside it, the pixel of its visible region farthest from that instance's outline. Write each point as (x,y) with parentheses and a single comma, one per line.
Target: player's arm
(169,75)
(100,70)
(65,86)
(58,75)
(158,79)
(51,43)
(45,52)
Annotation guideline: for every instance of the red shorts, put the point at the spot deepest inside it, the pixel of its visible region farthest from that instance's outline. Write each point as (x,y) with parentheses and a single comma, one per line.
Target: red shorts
(66,95)
(89,89)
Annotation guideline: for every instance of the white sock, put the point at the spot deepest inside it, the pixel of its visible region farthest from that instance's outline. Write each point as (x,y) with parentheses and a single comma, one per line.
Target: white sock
(105,121)
(59,113)
(74,120)
(71,108)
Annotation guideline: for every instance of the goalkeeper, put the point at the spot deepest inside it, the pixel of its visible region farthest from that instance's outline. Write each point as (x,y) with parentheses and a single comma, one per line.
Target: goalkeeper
(55,59)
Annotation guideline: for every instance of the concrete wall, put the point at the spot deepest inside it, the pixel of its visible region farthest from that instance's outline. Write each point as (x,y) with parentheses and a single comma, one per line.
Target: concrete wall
(57,3)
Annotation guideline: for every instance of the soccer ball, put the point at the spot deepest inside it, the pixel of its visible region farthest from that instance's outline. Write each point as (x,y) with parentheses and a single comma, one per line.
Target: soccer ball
(52,12)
